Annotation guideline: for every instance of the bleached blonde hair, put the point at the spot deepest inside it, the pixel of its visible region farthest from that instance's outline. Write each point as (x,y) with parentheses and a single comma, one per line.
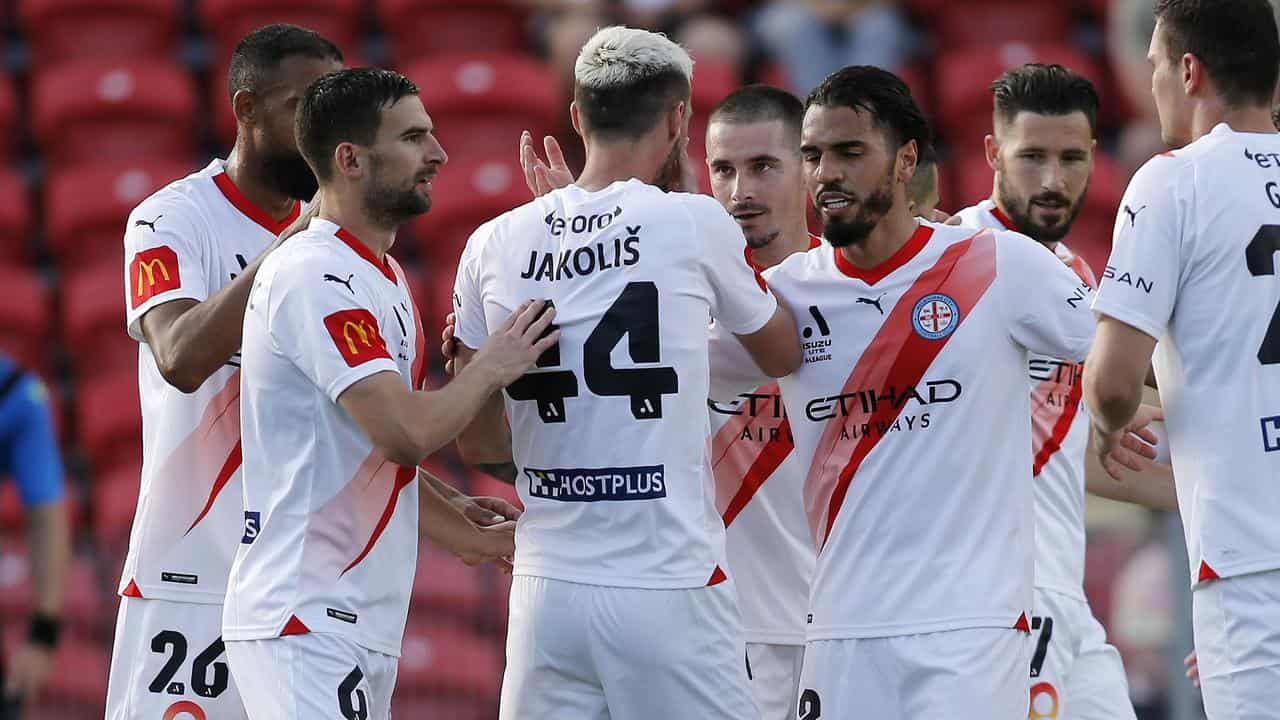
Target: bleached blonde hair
(619,56)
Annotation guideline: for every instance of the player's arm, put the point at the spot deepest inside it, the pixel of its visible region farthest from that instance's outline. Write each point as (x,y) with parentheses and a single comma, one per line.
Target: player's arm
(1047,303)
(480,510)
(444,523)
(407,426)
(191,338)
(1116,372)
(1148,483)
(486,443)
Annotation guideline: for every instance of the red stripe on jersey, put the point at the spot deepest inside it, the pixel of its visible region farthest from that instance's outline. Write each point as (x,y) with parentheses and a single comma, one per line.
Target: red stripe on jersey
(871,276)
(294,627)
(1206,573)
(717,577)
(897,357)
(224,476)
(1022,624)
(1051,420)
(241,202)
(132,590)
(404,476)
(741,464)
(1083,271)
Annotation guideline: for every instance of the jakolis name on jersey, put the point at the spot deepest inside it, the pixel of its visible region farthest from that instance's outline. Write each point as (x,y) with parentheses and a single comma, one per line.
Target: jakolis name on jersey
(623,251)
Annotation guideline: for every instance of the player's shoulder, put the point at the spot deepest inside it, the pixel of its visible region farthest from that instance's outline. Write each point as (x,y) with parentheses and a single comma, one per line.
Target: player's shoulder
(971,216)
(797,267)
(1165,171)
(182,200)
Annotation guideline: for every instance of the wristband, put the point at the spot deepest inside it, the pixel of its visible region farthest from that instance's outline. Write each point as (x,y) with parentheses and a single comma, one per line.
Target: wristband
(44,630)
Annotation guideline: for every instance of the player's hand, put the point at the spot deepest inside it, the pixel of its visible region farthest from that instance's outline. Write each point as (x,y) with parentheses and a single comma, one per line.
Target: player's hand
(300,223)
(1193,668)
(29,672)
(518,342)
(449,343)
(937,216)
(490,544)
(543,176)
(1130,446)
(487,510)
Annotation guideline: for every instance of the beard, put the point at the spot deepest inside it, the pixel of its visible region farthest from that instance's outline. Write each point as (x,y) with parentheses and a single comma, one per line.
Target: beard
(1020,212)
(871,210)
(289,174)
(669,175)
(762,238)
(389,205)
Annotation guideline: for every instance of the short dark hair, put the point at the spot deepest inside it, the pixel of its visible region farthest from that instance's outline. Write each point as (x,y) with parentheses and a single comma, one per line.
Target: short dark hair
(1044,90)
(880,94)
(761,103)
(628,111)
(926,174)
(259,53)
(1236,40)
(345,106)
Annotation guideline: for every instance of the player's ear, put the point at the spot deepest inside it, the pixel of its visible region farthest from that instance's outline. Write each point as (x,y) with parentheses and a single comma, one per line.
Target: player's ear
(575,117)
(908,157)
(1193,75)
(676,119)
(347,160)
(992,151)
(245,106)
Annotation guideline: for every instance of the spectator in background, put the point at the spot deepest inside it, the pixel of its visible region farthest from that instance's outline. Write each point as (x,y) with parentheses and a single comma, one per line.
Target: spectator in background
(29,453)
(1141,623)
(811,38)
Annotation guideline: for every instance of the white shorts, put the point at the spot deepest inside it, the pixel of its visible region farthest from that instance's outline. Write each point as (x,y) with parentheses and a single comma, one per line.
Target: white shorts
(168,664)
(1237,631)
(970,674)
(311,676)
(590,652)
(774,672)
(1074,672)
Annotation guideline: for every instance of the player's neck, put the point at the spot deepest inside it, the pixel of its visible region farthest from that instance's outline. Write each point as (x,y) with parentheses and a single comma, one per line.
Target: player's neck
(788,242)
(886,238)
(247,176)
(608,163)
(1249,119)
(348,214)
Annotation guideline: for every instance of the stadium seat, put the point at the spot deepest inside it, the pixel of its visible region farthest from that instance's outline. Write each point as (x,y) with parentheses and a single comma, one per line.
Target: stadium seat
(227,21)
(109,419)
(133,111)
(93,321)
(79,673)
(10,117)
(469,191)
(443,583)
(921,90)
(25,316)
(84,593)
(480,101)
(114,499)
(15,218)
(447,658)
(955,25)
(419,28)
(59,30)
(963,79)
(86,208)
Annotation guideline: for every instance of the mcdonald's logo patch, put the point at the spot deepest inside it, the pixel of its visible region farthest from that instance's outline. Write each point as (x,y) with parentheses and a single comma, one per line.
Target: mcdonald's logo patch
(356,334)
(153,271)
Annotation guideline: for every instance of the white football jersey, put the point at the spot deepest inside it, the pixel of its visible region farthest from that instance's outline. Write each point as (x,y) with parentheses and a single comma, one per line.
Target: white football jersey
(609,432)
(1193,265)
(329,537)
(188,241)
(911,405)
(1059,440)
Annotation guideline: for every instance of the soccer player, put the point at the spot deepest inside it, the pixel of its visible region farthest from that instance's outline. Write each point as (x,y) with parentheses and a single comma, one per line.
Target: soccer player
(620,605)
(912,405)
(192,251)
(333,424)
(1192,277)
(922,190)
(1042,150)
(753,153)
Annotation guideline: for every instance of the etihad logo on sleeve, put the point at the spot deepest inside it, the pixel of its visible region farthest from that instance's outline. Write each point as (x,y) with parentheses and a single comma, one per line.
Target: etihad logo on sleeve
(594,484)
(355,333)
(152,272)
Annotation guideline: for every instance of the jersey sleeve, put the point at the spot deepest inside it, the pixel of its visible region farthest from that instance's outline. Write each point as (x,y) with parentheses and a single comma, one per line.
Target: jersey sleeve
(1140,282)
(330,333)
(30,446)
(733,372)
(471,327)
(740,304)
(165,259)
(1049,304)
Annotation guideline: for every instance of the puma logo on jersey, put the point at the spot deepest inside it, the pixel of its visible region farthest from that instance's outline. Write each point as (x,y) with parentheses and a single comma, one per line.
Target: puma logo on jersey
(1133,214)
(869,301)
(145,223)
(336,279)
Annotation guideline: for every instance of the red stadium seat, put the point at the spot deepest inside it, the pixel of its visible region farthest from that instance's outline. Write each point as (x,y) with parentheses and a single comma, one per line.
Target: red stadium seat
(227,21)
(956,25)
(15,217)
(419,28)
(59,30)
(86,208)
(93,321)
(84,593)
(120,112)
(431,706)
(79,677)
(109,419)
(25,316)
(445,583)
(467,193)
(921,90)
(964,77)
(114,500)
(448,658)
(9,116)
(480,101)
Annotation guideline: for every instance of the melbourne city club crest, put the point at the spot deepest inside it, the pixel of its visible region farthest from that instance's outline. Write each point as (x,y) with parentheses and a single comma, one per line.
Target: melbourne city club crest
(935,316)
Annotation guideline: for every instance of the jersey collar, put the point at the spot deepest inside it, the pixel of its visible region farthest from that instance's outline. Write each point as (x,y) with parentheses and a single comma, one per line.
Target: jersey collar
(247,208)
(1000,217)
(871,276)
(359,248)
(814,241)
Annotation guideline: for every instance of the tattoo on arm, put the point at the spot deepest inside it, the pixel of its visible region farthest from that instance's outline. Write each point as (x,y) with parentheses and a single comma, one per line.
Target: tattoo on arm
(506,472)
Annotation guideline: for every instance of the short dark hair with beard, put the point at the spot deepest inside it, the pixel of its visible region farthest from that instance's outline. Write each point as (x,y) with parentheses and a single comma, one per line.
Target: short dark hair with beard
(1237,41)
(259,53)
(345,106)
(1044,90)
(880,94)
